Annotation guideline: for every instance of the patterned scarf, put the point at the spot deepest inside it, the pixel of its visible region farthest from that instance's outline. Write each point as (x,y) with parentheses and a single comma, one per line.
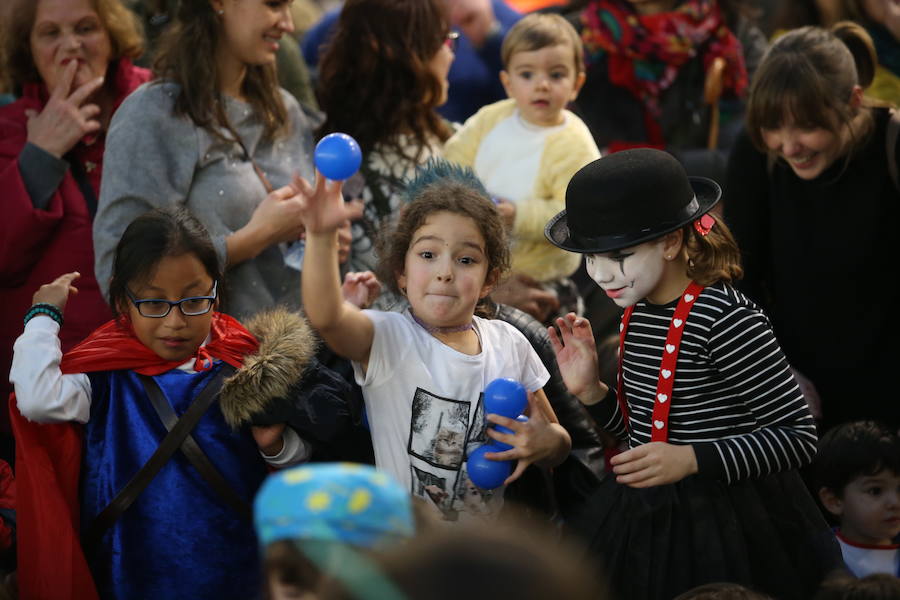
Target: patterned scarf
(645,52)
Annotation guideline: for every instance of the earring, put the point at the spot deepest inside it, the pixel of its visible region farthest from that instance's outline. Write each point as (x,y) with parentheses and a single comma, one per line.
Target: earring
(220,12)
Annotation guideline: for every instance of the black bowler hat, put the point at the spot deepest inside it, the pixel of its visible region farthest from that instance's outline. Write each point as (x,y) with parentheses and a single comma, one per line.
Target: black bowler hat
(628,198)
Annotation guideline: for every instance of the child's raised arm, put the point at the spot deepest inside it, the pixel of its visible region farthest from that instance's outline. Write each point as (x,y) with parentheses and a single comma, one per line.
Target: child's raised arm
(342,325)
(43,393)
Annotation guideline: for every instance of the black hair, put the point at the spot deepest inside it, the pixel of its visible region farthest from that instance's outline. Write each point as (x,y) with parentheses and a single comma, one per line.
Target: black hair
(153,236)
(852,450)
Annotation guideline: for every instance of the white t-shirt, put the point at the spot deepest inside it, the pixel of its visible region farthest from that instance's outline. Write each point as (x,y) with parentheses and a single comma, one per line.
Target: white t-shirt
(509,158)
(423,401)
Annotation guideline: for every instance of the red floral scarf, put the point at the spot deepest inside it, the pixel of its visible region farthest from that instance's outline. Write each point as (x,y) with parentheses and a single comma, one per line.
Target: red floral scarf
(645,52)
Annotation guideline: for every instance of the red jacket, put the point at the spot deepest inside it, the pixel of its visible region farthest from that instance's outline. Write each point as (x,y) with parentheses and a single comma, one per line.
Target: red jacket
(37,246)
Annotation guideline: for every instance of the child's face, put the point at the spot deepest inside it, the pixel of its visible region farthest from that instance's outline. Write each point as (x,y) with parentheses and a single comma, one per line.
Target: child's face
(869,508)
(630,274)
(175,336)
(808,151)
(446,270)
(542,82)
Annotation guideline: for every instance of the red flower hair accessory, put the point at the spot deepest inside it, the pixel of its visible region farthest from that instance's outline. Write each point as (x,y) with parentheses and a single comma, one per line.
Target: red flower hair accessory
(704,224)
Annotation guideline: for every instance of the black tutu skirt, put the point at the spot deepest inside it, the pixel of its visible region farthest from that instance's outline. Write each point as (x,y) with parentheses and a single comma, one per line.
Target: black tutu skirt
(656,543)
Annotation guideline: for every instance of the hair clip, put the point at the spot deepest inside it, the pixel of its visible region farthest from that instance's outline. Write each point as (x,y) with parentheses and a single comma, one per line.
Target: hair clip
(704,224)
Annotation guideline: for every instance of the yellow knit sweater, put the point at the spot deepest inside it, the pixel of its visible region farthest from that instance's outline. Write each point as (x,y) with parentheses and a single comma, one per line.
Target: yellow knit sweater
(565,152)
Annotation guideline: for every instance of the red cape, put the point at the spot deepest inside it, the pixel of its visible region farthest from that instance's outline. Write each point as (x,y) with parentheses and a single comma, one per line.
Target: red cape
(51,564)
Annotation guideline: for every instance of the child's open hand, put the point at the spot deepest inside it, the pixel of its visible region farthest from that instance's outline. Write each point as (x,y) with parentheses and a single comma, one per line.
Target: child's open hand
(269,438)
(576,355)
(324,209)
(532,441)
(656,463)
(57,291)
(360,288)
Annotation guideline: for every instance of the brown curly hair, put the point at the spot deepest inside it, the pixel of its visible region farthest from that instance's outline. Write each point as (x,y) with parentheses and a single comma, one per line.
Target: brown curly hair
(444,195)
(712,257)
(184,55)
(374,77)
(124,29)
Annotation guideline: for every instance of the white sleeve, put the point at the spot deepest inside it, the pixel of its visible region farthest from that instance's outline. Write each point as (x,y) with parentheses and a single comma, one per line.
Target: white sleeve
(43,393)
(294,451)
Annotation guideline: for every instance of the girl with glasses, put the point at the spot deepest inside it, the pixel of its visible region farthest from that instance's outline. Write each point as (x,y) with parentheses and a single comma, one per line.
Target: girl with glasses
(101,408)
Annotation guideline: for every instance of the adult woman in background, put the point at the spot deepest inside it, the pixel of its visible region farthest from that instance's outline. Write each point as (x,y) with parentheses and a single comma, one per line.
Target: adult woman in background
(812,197)
(380,80)
(216,134)
(70,63)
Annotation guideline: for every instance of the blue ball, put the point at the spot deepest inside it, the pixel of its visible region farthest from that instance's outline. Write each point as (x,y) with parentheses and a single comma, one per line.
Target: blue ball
(338,156)
(502,429)
(505,397)
(487,474)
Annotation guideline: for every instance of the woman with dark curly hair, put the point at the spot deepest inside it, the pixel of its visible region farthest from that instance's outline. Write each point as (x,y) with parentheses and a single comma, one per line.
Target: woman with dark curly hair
(380,81)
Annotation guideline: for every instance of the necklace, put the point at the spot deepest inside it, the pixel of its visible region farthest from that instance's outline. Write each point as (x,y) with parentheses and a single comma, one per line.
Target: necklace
(666,381)
(432,329)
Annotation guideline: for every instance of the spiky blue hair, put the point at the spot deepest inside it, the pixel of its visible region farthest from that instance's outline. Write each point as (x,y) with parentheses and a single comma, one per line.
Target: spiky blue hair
(438,169)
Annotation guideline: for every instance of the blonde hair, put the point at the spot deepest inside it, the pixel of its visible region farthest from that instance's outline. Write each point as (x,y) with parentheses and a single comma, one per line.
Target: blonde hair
(538,30)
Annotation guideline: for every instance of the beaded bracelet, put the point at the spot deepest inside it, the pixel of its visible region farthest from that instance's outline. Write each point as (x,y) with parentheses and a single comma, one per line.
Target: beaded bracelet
(42,308)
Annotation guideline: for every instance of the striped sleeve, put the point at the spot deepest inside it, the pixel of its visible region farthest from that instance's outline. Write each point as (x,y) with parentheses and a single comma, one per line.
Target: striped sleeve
(747,355)
(608,416)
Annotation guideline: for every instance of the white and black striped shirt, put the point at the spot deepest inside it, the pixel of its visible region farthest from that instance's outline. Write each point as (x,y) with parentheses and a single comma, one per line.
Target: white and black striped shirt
(734,398)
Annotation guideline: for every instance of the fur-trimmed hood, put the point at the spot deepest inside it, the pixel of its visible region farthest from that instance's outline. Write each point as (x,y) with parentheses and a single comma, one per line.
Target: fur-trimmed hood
(287,346)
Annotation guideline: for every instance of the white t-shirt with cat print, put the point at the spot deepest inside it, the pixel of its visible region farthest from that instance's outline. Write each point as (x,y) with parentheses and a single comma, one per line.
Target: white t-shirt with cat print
(424,405)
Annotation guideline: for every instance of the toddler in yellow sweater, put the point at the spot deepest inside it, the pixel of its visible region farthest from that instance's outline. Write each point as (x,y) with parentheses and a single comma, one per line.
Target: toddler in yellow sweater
(527,147)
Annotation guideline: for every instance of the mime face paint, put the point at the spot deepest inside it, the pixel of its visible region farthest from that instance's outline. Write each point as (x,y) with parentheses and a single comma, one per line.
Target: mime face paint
(630,274)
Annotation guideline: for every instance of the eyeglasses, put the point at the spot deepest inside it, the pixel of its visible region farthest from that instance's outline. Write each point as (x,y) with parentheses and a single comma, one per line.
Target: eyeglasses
(189,307)
(452,39)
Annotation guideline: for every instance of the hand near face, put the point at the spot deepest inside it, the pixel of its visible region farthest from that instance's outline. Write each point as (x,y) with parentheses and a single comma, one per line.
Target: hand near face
(67,117)
(57,291)
(656,463)
(576,355)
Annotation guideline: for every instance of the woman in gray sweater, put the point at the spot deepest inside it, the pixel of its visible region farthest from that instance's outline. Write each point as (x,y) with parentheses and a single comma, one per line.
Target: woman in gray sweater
(215,133)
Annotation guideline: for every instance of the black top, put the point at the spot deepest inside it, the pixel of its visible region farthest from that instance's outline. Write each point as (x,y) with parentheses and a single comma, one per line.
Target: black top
(820,257)
(734,399)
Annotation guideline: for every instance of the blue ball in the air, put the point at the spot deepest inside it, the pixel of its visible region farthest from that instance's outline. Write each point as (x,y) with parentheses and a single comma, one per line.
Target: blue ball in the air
(337,156)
